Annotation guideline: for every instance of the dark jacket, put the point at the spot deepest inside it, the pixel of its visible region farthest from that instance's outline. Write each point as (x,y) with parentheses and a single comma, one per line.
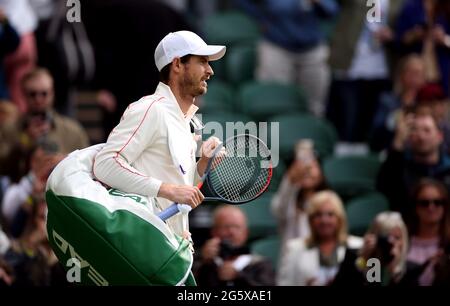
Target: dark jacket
(400,172)
(258,273)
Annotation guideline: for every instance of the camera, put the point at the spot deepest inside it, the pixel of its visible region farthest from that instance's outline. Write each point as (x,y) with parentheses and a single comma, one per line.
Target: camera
(384,249)
(227,250)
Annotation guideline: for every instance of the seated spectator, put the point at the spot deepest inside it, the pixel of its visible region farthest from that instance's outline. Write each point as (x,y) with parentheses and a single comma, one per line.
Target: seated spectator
(225,259)
(9,116)
(302,180)
(30,256)
(315,260)
(409,80)
(416,153)
(19,196)
(42,121)
(387,241)
(429,227)
(432,99)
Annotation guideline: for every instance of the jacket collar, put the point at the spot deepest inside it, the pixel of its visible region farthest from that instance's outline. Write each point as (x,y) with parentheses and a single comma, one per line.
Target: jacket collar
(165,91)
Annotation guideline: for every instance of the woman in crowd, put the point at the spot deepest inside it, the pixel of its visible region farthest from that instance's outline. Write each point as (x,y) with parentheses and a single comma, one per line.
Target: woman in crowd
(302,180)
(315,260)
(429,228)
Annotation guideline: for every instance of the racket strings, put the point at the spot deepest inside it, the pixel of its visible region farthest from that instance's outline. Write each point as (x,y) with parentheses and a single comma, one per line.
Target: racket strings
(239,175)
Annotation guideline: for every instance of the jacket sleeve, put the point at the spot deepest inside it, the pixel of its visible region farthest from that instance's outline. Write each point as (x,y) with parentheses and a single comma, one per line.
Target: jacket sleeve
(137,130)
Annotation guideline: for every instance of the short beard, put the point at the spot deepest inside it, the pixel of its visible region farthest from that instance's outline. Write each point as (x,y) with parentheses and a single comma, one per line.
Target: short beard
(191,87)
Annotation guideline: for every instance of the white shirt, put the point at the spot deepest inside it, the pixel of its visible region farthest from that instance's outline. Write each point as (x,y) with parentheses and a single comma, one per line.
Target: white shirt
(151,144)
(369,61)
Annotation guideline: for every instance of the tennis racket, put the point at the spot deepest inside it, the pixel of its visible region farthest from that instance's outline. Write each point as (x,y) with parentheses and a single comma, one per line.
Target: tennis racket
(238,174)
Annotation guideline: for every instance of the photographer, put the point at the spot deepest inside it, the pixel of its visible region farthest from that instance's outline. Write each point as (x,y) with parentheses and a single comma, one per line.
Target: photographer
(386,241)
(225,259)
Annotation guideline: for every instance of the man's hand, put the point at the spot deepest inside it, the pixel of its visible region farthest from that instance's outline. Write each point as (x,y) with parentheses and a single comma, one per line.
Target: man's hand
(183,194)
(227,272)
(207,150)
(211,249)
(403,130)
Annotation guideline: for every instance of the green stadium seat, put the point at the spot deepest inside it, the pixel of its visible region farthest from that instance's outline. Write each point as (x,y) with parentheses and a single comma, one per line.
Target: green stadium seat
(218,120)
(362,210)
(261,222)
(230,27)
(240,64)
(296,126)
(268,247)
(218,98)
(351,175)
(262,100)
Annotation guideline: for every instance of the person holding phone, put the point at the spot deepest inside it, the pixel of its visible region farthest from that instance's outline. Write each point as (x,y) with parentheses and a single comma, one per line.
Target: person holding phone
(302,180)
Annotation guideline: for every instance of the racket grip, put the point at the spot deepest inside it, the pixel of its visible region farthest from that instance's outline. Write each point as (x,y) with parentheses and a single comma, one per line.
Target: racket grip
(173,210)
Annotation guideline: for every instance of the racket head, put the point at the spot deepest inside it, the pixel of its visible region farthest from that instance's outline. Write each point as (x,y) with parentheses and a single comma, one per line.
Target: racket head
(242,174)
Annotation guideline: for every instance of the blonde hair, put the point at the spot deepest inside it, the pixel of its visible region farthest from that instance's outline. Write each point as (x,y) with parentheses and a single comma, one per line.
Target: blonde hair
(401,69)
(383,224)
(316,202)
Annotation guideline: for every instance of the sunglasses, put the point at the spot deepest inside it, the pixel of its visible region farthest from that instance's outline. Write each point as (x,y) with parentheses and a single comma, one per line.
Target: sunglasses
(35,93)
(428,202)
(321,214)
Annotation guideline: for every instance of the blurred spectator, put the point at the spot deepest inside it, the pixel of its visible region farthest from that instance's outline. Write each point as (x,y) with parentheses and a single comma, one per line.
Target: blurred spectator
(314,261)
(432,99)
(361,60)
(23,59)
(409,79)
(6,274)
(387,241)
(429,227)
(4,242)
(303,179)
(424,28)
(9,132)
(9,116)
(115,28)
(225,258)
(42,121)
(294,48)
(9,41)
(64,49)
(30,257)
(30,188)
(416,153)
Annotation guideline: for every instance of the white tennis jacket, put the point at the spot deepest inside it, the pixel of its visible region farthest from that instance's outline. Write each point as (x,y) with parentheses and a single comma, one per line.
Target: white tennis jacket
(151,144)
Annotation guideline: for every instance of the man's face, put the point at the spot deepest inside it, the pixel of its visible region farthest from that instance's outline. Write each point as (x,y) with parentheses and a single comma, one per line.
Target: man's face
(195,74)
(39,93)
(425,137)
(230,224)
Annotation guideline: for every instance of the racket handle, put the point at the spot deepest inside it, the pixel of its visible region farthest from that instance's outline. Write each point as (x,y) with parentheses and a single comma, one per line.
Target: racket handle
(173,210)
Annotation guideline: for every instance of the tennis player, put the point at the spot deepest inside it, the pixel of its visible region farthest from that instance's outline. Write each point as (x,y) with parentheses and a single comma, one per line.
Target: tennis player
(152,149)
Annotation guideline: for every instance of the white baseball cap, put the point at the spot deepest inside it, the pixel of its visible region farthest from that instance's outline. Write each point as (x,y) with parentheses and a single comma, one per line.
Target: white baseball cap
(181,43)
